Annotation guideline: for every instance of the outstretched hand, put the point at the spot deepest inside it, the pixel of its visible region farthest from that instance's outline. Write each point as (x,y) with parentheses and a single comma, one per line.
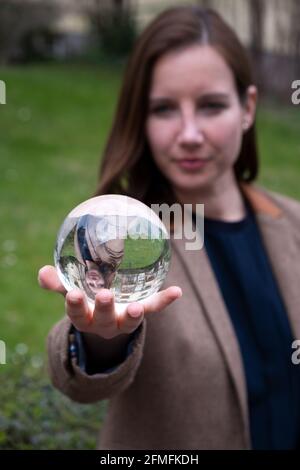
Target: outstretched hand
(104,320)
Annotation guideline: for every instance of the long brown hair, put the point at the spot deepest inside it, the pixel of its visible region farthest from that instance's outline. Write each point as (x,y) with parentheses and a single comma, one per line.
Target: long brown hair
(127,164)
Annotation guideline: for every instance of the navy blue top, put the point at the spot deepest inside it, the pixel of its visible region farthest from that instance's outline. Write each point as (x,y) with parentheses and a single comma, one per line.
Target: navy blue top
(260,321)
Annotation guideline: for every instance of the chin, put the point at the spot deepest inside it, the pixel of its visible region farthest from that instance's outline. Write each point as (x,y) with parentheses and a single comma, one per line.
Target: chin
(194,184)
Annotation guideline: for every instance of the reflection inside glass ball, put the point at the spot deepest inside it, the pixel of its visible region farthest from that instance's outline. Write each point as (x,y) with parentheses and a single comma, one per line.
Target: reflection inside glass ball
(113,242)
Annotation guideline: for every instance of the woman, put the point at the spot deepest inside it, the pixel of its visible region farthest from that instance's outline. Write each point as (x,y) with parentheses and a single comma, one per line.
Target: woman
(211,370)
(101,258)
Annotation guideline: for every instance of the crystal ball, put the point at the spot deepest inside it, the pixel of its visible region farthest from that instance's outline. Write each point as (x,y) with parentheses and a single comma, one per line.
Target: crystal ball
(113,242)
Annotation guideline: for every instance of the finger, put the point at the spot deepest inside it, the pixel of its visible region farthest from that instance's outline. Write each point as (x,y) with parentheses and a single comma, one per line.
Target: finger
(132,317)
(48,279)
(104,313)
(78,310)
(161,300)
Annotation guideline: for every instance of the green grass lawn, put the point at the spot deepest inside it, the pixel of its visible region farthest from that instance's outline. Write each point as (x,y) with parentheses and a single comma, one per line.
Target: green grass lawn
(53,129)
(52,132)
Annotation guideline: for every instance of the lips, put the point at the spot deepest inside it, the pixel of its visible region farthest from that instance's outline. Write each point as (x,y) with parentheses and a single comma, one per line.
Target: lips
(192,163)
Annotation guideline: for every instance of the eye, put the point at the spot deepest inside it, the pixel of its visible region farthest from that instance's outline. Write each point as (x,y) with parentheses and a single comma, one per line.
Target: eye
(212,107)
(162,109)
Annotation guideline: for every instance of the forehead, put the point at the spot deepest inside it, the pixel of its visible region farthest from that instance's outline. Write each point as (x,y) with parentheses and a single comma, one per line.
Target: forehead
(196,69)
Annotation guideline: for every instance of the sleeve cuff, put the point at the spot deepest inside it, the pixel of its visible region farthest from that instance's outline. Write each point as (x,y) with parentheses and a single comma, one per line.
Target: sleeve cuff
(77,353)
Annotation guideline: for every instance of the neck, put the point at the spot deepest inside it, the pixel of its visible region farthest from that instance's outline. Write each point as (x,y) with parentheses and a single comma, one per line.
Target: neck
(222,201)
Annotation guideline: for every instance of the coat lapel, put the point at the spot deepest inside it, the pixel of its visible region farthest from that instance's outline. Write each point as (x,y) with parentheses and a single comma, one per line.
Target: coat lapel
(280,245)
(282,252)
(201,277)
(283,255)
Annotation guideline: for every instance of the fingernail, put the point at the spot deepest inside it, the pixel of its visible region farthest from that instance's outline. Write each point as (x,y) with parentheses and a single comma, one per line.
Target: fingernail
(135,314)
(74,299)
(106,299)
(179,293)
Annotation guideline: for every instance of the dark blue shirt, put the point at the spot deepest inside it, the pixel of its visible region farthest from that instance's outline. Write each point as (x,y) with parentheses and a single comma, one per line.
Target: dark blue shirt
(260,321)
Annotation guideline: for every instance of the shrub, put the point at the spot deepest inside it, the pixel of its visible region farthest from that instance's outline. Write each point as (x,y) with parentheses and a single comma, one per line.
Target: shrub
(115,27)
(20,20)
(33,415)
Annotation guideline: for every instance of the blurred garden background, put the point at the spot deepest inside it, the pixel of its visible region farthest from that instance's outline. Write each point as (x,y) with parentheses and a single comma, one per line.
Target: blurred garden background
(62,64)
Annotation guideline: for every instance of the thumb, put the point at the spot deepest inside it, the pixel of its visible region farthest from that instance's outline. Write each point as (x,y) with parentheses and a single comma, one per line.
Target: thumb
(48,279)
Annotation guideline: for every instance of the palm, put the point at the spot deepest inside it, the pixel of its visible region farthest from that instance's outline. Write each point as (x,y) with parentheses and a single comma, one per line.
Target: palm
(106,319)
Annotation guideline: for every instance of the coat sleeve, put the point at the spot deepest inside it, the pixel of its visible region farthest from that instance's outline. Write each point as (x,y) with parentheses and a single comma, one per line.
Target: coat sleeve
(67,377)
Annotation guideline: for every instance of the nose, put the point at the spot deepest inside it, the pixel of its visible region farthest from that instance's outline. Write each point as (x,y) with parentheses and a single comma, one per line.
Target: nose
(191,133)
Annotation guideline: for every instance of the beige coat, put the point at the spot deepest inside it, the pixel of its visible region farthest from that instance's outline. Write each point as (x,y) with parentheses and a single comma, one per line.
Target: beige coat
(183,386)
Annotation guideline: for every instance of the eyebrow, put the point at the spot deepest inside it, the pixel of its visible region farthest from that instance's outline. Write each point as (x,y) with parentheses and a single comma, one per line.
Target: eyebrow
(206,96)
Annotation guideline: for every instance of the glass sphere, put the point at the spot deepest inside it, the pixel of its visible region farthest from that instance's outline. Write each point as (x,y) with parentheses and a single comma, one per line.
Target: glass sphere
(113,242)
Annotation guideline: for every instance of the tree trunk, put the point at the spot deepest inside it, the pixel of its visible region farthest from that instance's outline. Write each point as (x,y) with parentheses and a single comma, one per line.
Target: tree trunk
(295,35)
(257,15)
(257,10)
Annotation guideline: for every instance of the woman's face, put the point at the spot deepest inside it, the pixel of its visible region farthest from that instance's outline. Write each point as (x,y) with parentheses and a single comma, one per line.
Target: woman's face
(94,277)
(195,120)
(99,276)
